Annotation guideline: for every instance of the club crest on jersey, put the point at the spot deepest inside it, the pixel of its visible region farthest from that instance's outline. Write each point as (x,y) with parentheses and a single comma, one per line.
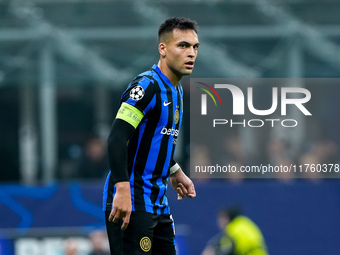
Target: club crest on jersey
(137,93)
(145,244)
(176,116)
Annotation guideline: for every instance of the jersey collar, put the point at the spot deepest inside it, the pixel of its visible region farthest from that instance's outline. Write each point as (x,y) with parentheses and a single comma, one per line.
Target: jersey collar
(164,78)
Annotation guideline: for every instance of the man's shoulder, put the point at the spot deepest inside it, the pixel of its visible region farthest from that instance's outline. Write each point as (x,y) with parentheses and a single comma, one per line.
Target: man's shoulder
(144,80)
(147,76)
(144,85)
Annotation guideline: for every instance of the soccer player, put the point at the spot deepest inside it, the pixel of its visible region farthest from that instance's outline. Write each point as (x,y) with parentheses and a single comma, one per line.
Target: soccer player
(239,235)
(141,146)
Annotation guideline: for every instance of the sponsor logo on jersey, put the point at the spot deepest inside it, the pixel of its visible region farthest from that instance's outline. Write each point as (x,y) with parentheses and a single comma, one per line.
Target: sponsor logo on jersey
(169,131)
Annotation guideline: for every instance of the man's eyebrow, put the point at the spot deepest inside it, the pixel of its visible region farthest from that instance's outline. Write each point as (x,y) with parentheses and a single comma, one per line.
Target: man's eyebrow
(187,43)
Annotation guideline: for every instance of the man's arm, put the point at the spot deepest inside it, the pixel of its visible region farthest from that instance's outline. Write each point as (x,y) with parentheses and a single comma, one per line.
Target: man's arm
(127,119)
(120,133)
(181,183)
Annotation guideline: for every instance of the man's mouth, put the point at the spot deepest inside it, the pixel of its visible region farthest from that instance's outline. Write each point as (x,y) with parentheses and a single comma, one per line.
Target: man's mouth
(190,64)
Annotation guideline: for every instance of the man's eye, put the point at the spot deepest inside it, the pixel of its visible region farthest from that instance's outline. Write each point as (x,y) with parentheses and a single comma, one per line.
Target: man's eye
(182,46)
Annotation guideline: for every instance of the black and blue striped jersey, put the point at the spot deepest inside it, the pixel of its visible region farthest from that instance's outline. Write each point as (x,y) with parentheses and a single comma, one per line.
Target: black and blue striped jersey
(152,145)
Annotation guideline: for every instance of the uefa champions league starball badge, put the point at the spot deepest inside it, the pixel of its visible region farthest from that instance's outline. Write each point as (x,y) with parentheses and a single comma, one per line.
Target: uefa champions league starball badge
(137,93)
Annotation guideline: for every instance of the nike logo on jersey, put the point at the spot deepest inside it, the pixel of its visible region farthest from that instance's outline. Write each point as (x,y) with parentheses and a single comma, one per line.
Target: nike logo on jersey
(166,104)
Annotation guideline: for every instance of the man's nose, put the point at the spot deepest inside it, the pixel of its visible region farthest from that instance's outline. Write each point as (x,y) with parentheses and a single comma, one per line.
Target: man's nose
(192,53)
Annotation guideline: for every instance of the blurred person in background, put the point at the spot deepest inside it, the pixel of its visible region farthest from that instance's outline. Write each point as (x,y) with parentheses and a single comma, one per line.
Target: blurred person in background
(201,157)
(98,241)
(233,150)
(71,247)
(306,161)
(233,154)
(141,146)
(93,164)
(277,155)
(239,235)
(313,161)
(236,176)
(221,243)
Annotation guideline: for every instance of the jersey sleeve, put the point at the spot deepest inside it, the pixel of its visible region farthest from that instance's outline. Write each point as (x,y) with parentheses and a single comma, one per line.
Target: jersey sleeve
(140,94)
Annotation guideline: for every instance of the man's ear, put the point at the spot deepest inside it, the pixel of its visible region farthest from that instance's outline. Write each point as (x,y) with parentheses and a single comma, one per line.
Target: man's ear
(162,49)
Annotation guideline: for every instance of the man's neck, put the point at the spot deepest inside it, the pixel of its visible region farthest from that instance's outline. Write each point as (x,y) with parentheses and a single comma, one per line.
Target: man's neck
(173,78)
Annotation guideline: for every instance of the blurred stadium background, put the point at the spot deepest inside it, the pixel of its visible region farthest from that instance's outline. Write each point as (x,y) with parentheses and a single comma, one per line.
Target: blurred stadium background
(63,67)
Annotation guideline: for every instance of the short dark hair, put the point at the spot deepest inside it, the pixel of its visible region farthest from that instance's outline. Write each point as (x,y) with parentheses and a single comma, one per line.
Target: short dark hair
(231,212)
(177,23)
